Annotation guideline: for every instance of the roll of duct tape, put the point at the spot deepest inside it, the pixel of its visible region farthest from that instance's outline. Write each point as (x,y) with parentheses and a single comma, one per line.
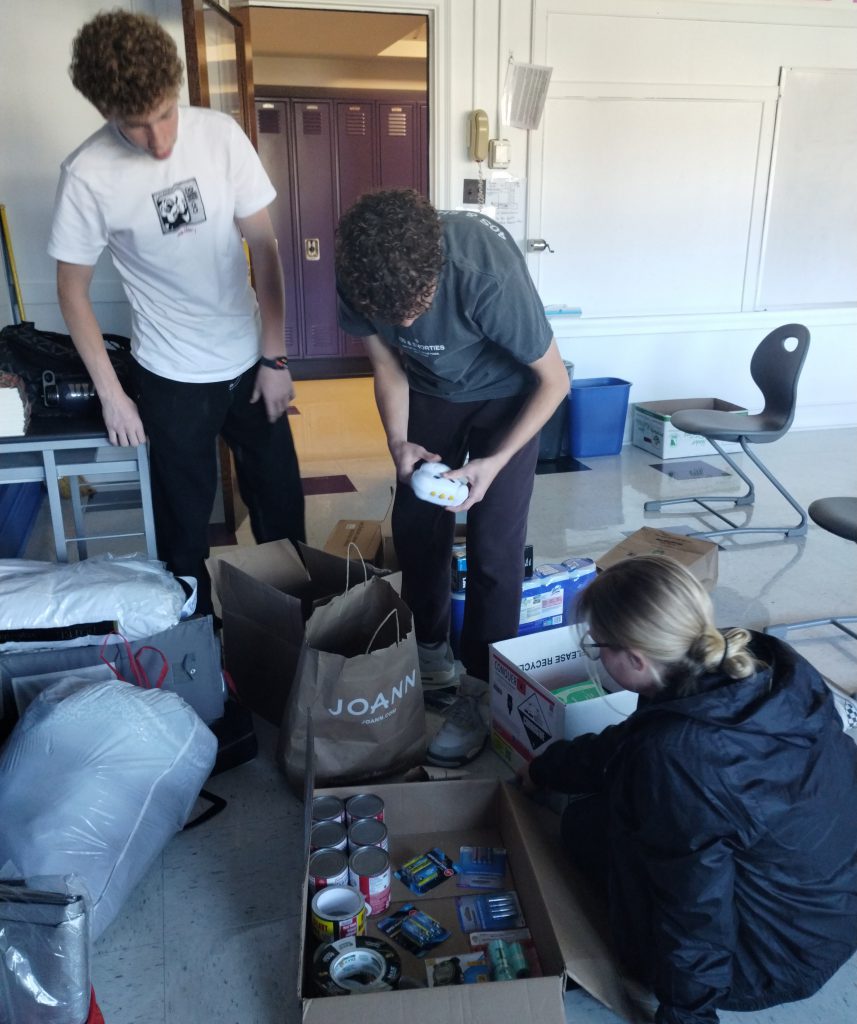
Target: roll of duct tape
(356,964)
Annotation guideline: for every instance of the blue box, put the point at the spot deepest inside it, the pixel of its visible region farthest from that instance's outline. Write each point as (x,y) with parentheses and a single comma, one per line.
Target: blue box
(597,409)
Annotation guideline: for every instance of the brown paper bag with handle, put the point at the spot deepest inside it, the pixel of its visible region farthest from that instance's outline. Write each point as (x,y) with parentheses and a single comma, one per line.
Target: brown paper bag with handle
(358,677)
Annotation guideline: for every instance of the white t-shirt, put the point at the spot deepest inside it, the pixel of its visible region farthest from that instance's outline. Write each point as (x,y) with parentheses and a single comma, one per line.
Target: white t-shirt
(170,228)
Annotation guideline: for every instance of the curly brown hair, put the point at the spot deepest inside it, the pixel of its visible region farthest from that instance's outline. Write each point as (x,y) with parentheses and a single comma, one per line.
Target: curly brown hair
(389,254)
(124,63)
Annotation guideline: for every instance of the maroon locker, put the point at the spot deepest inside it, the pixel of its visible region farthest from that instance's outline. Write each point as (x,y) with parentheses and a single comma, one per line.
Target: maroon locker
(398,129)
(315,225)
(273,140)
(423,150)
(357,151)
(357,162)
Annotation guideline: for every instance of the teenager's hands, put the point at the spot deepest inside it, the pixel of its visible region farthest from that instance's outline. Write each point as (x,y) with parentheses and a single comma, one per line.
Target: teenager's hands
(407,455)
(276,389)
(122,420)
(479,474)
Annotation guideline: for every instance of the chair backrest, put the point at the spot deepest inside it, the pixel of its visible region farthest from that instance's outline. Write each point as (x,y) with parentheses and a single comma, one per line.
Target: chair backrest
(776,370)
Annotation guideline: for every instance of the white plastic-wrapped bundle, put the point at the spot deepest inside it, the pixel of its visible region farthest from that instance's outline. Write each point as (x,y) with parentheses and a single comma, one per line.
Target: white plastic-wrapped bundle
(139,597)
(94,781)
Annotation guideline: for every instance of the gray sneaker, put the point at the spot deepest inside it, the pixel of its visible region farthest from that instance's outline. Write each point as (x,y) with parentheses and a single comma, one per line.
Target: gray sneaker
(463,734)
(437,665)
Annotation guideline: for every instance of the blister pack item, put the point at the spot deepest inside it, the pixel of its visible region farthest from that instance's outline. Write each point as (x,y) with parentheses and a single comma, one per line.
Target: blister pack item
(489,912)
(463,969)
(413,930)
(420,874)
(481,867)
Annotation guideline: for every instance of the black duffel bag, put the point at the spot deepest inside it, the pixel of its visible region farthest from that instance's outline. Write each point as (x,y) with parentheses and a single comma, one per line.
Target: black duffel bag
(54,375)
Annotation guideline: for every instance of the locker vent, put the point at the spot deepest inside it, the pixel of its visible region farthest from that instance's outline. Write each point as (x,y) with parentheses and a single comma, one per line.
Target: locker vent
(312,122)
(268,120)
(397,122)
(355,121)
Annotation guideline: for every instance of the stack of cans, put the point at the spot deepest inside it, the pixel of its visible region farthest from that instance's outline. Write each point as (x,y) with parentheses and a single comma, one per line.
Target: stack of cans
(348,847)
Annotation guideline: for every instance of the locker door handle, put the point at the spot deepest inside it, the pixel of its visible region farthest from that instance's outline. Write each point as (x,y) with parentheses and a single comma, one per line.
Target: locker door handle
(312,249)
(537,245)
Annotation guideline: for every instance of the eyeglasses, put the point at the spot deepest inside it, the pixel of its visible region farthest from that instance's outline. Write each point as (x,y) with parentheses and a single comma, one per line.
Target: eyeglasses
(591,649)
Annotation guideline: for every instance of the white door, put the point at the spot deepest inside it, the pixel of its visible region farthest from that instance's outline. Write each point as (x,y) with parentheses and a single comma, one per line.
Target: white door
(647,172)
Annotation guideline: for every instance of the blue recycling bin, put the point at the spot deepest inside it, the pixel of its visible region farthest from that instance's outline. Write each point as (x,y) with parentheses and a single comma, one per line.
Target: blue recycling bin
(598,408)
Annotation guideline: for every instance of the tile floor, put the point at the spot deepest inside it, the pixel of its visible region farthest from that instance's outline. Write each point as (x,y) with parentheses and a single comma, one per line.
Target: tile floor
(211,934)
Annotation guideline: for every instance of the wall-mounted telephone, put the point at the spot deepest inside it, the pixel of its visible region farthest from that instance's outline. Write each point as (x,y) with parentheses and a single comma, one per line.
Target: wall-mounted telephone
(477,135)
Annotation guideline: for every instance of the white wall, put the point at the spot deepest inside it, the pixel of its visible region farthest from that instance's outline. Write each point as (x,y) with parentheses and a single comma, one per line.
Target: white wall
(665,357)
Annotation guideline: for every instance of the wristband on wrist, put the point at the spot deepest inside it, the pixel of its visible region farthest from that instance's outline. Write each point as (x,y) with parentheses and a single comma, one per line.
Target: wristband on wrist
(280,363)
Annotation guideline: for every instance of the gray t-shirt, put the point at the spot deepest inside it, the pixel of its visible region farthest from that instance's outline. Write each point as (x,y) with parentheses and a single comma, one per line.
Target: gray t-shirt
(485,324)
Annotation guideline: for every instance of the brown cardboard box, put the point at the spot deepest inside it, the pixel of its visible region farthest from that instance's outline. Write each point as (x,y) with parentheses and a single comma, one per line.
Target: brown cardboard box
(695,553)
(364,534)
(372,537)
(264,595)
(566,923)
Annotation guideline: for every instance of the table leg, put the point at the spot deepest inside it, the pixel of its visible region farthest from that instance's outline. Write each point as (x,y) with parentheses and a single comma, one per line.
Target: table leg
(54,503)
(77,515)
(146,501)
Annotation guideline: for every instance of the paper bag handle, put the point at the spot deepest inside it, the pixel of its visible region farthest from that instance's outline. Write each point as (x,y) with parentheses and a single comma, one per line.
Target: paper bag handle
(351,545)
(394,611)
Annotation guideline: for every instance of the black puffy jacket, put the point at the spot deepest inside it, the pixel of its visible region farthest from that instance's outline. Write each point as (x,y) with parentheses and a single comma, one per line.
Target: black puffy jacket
(733,837)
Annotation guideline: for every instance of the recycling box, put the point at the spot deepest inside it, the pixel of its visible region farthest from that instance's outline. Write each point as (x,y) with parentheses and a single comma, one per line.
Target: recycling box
(526,714)
(653,431)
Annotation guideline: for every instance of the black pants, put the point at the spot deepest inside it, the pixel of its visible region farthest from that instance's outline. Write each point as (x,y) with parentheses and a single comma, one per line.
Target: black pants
(182,423)
(496,528)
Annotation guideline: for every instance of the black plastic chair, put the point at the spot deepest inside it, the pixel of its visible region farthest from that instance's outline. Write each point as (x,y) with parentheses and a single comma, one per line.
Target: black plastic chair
(775,369)
(838,516)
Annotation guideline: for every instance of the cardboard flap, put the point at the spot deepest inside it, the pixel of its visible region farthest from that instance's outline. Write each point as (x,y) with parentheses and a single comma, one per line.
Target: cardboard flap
(276,564)
(577,918)
(537,999)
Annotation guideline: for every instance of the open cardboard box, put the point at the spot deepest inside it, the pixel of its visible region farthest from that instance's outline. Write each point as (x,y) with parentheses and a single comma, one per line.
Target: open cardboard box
(526,716)
(265,594)
(566,922)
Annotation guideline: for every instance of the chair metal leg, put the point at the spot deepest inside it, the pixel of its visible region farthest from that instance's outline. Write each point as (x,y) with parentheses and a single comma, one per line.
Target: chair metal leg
(781,630)
(798,530)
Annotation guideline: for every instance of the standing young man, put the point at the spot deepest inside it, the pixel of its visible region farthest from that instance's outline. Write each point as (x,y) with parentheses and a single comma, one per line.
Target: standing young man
(170,191)
(466,373)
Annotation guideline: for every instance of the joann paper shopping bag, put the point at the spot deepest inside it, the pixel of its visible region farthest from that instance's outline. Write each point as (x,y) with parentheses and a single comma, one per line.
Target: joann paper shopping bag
(357,674)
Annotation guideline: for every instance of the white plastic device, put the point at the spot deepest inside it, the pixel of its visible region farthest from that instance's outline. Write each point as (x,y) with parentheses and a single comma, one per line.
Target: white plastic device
(429,485)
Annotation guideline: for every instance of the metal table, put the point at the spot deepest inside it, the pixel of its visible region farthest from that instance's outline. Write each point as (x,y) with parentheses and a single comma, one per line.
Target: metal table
(56,448)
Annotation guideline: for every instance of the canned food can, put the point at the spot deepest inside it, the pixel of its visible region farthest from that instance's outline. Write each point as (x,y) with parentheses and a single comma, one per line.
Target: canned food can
(327,867)
(368,832)
(337,912)
(369,873)
(328,835)
(328,808)
(363,805)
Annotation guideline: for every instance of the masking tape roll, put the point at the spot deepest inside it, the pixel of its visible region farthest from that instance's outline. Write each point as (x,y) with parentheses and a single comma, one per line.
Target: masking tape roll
(356,964)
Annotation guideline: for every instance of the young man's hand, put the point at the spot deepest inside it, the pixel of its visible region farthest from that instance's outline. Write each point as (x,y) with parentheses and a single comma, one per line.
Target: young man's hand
(276,389)
(479,474)
(407,455)
(122,420)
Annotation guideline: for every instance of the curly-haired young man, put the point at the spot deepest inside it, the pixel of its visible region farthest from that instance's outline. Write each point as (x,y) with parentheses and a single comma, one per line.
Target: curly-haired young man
(170,191)
(466,373)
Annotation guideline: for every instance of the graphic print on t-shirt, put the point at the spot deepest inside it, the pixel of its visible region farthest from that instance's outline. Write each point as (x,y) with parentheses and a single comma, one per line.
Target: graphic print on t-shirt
(179,205)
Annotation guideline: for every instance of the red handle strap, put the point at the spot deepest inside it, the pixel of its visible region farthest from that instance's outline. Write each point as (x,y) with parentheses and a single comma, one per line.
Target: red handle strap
(137,670)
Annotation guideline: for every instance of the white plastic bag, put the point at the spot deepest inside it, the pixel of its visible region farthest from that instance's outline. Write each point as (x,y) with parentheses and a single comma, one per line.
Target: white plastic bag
(139,597)
(95,779)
